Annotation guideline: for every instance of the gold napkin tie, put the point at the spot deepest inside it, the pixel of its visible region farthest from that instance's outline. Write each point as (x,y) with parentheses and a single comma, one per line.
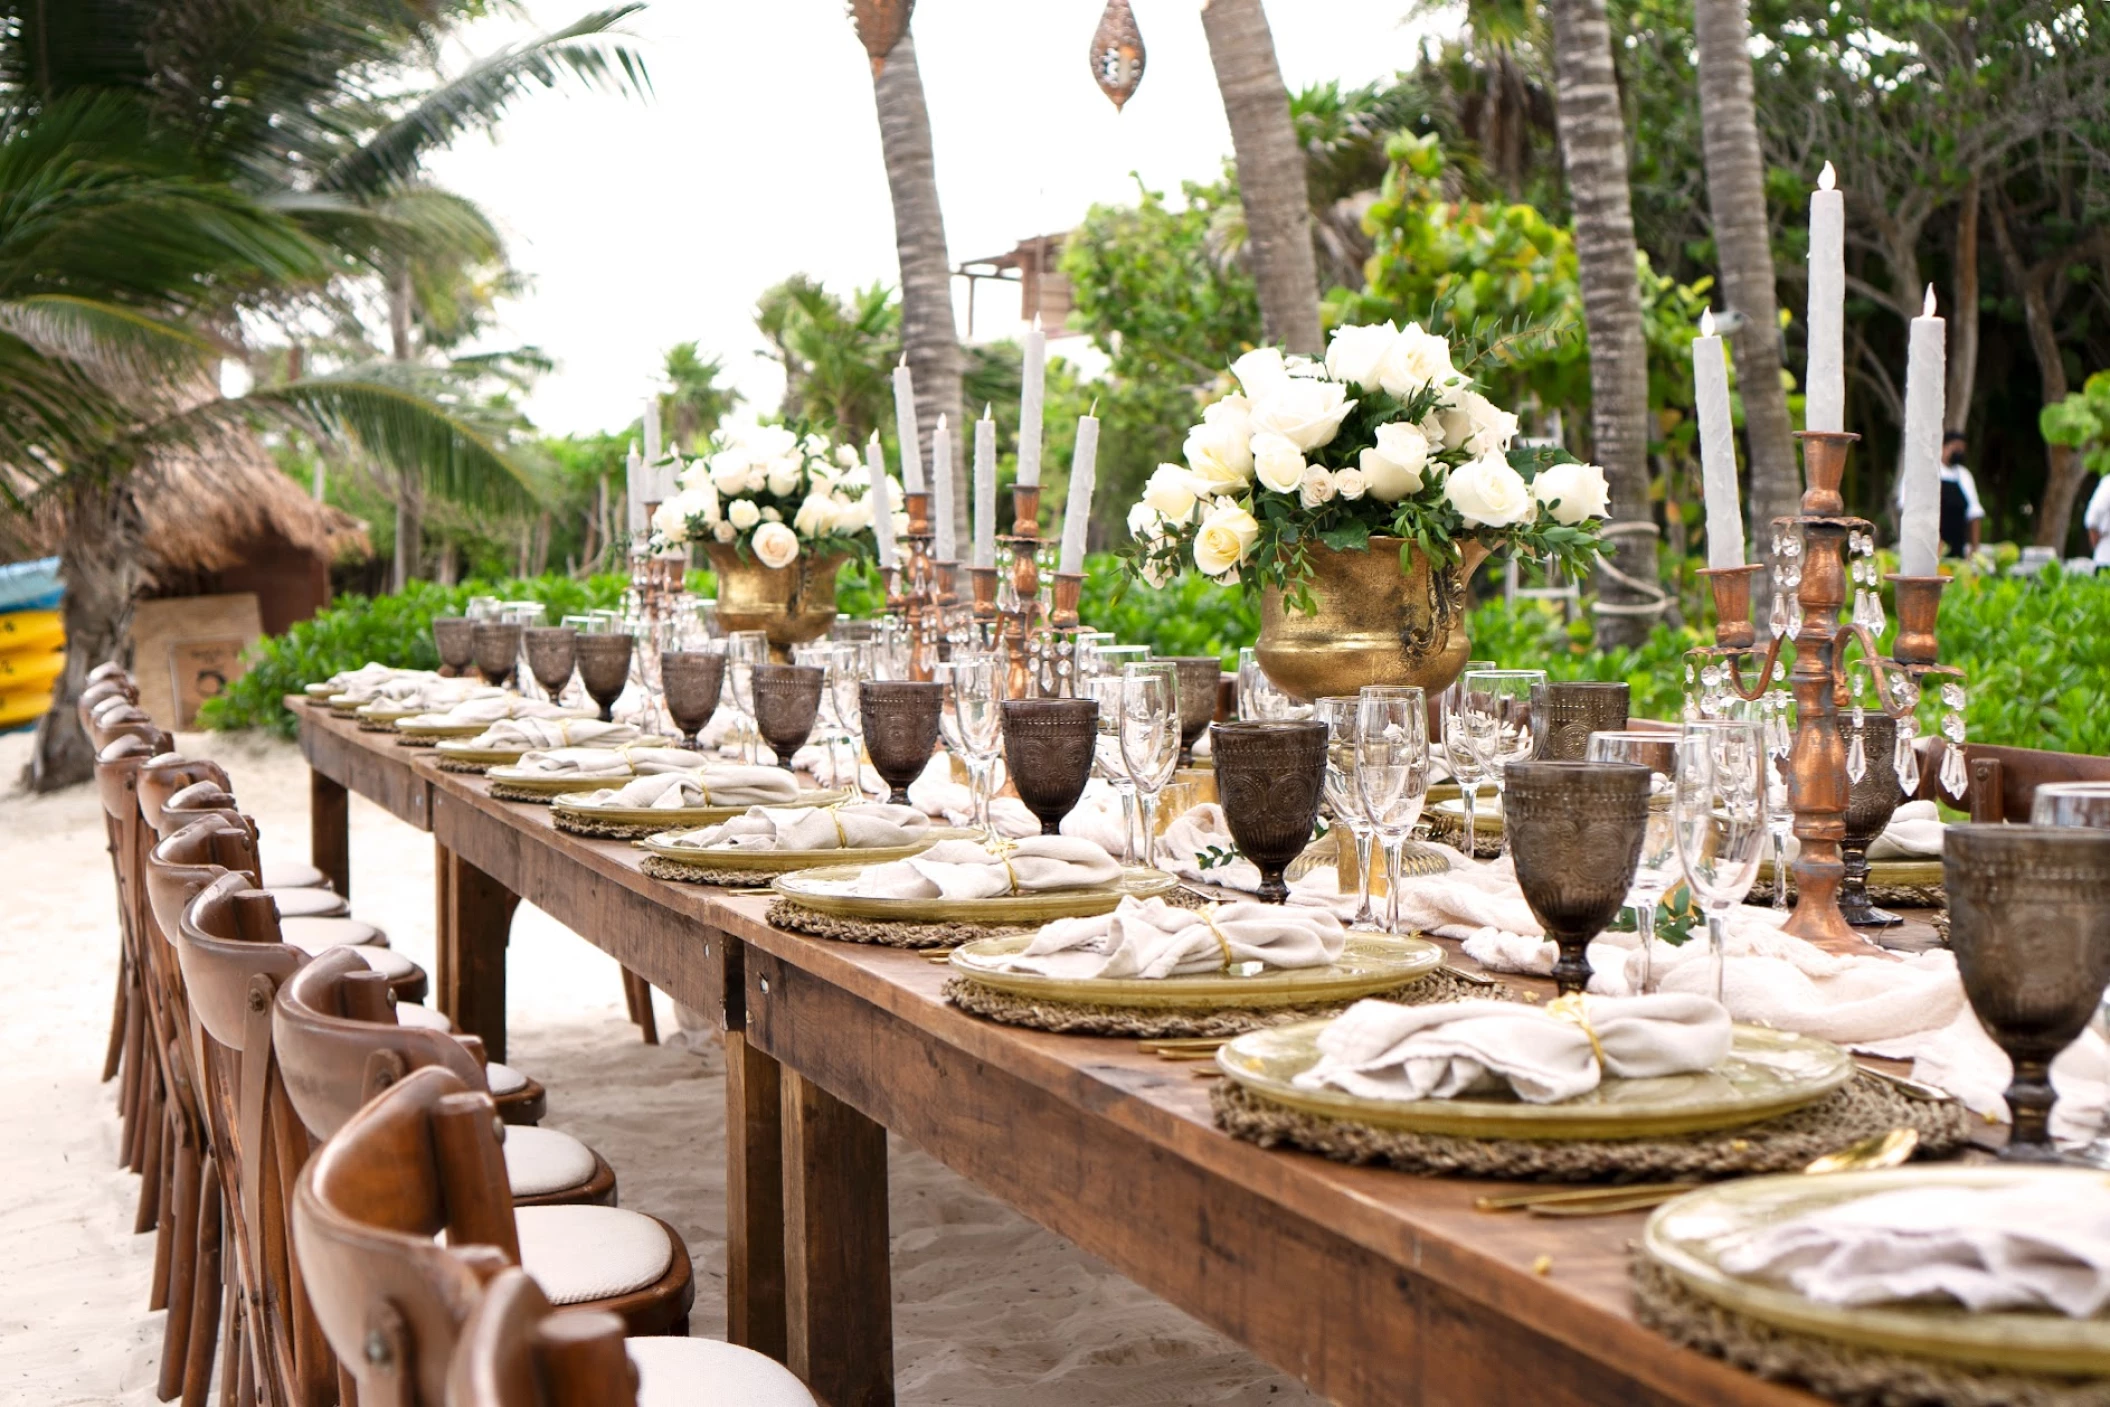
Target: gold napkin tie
(1574,1009)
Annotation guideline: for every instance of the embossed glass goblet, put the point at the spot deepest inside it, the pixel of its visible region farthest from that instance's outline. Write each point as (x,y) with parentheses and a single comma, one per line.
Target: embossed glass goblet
(1564,715)
(496,646)
(2071,804)
(1048,745)
(787,700)
(693,681)
(1198,676)
(1870,803)
(1270,776)
(900,719)
(1576,831)
(454,638)
(604,668)
(2029,921)
(1657,869)
(552,655)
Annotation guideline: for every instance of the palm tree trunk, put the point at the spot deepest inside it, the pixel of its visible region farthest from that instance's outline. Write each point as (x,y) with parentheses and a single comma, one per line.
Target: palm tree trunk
(1736,197)
(99,562)
(410,494)
(1593,151)
(1271,179)
(928,334)
(1963,309)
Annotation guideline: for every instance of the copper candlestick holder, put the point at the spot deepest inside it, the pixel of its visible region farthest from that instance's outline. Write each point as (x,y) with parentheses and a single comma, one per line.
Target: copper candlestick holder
(1024,625)
(1812,551)
(919,588)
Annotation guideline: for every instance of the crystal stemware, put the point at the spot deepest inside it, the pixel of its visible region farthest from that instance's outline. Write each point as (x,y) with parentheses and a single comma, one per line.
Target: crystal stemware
(1107,759)
(1496,712)
(1150,738)
(1392,775)
(1719,812)
(1344,796)
(744,649)
(1465,766)
(1656,868)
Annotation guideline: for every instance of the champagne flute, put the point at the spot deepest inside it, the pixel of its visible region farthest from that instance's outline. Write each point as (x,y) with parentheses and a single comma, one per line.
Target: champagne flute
(1150,738)
(1344,794)
(853,665)
(744,649)
(1657,868)
(1392,774)
(1458,750)
(1497,717)
(1719,812)
(1107,758)
(977,706)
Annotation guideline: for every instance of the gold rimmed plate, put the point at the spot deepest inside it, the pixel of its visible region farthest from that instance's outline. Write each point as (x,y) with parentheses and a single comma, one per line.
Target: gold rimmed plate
(683,818)
(785,861)
(1487,814)
(1900,874)
(1368,963)
(1766,1073)
(459,750)
(830,890)
(1689,1236)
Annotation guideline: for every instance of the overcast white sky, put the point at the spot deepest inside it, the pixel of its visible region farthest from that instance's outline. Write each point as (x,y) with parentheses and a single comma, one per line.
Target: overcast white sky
(643,224)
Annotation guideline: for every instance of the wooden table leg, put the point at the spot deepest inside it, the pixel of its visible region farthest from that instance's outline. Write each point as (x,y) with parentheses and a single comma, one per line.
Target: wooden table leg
(754,1199)
(838,1290)
(476,914)
(330,830)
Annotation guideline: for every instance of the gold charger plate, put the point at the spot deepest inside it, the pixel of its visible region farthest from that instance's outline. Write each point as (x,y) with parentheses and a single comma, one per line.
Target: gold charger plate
(1688,1236)
(460,751)
(785,861)
(1368,963)
(324,692)
(1766,1073)
(440,730)
(824,891)
(1487,816)
(683,818)
(1900,874)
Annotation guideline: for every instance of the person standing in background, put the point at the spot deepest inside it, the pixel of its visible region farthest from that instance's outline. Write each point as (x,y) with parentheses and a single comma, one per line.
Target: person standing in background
(2097,521)
(1961,512)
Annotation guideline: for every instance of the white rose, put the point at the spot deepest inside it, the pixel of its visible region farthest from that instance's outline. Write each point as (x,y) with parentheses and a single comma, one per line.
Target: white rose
(816,516)
(1221,456)
(1573,493)
(1415,360)
(707,505)
(743,514)
(1297,364)
(1431,429)
(1227,534)
(766,442)
(814,445)
(776,545)
(729,470)
(851,515)
(784,476)
(1317,488)
(1351,484)
(1170,493)
(1262,372)
(771,515)
(1145,524)
(846,456)
(1394,467)
(1477,425)
(1278,462)
(696,475)
(1488,493)
(1355,353)
(670,521)
(1306,413)
(1236,412)
(723,531)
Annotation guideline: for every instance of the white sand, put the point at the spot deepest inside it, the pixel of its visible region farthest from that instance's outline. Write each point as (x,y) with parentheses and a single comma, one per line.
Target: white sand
(989,1308)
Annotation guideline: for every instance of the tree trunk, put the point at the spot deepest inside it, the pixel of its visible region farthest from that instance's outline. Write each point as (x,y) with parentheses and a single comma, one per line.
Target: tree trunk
(1736,199)
(2062,479)
(928,334)
(1963,311)
(99,563)
(1593,151)
(410,494)
(1271,179)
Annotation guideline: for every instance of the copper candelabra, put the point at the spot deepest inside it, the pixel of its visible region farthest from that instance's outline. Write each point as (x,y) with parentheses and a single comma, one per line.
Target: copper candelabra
(1038,642)
(1812,555)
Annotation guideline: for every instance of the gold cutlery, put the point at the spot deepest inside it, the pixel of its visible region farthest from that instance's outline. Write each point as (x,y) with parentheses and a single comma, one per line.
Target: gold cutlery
(1888,1149)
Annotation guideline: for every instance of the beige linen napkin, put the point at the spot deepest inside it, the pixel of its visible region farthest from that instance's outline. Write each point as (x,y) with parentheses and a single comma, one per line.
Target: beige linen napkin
(547,732)
(1379,1050)
(964,869)
(574,762)
(1914,833)
(941,798)
(1989,1249)
(491,708)
(870,827)
(1151,938)
(661,791)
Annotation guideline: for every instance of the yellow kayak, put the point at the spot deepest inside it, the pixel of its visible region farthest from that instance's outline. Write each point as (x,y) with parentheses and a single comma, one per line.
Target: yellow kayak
(24,706)
(31,630)
(21,671)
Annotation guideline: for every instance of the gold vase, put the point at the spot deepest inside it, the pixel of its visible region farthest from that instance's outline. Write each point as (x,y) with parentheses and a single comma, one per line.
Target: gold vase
(792,604)
(1374,623)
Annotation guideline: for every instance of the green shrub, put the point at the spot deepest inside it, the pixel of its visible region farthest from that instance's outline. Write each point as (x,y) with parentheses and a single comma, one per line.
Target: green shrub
(1189,615)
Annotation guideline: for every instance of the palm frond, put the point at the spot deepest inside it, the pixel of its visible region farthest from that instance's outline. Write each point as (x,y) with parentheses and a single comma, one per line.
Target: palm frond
(119,346)
(588,50)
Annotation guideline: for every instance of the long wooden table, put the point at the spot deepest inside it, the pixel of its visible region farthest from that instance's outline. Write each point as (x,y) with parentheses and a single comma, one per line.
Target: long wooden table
(1369,1285)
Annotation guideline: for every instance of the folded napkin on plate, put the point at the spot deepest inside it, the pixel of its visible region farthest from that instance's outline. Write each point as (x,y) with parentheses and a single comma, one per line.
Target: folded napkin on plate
(1379,1050)
(545,734)
(660,791)
(1197,845)
(868,827)
(717,785)
(575,762)
(1986,1249)
(489,708)
(941,798)
(1914,833)
(1151,938)
(964,869)
(648,761)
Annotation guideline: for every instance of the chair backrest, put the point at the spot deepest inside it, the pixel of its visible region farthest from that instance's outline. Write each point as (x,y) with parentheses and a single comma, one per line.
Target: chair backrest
(95,695)
(421,1159)
(515,1351)
(2004,780)
(170,772)
(338,1043)
(111,718)
(189,858)
(108,669)
(208,798)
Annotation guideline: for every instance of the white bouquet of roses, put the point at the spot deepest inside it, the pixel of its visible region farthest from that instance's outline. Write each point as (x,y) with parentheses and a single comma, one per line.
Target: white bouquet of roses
(772,493)
(1385,437)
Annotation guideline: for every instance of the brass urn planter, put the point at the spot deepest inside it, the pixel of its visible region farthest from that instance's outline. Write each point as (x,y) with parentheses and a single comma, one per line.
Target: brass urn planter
(791,604)
(1374,622)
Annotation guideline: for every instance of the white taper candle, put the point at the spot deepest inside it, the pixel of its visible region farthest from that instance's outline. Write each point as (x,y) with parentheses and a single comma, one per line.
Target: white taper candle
(1926,397)
(882,505)
(985,491)
(1029,405)
(946,545)
(1077,513)
(1825,405)
(905,423)
(1710,386)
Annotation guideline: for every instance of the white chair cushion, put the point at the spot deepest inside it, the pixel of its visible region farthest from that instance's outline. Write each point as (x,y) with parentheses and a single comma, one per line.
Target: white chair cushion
(707,1373)
(591,1253)
(308,903)
(411,1014)
(540,1161)
(503,1079)
(315,935)
(294,874)
(387,962)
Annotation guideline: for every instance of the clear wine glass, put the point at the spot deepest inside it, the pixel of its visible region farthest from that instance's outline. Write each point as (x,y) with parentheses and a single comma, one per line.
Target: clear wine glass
(744,649)
(853,665)
(976,703)
(1497,717)
(1657,869)
(1107,759)
(1719,811)
(1343,794)
(1392,774)
(1458,751)
(1150,739)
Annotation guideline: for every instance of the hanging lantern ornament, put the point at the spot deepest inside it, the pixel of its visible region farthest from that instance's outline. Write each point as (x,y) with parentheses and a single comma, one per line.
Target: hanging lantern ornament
(1117,53)
(880,26)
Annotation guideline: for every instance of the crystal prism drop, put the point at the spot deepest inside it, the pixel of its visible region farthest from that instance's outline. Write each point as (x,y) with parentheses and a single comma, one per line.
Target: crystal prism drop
(1857,757)
(1952,696)
(1952,727)
(1688,671)
(1778,620)
(1780,669)
(1906,760)
(1954,775)
(1692,709)
(1795,618)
